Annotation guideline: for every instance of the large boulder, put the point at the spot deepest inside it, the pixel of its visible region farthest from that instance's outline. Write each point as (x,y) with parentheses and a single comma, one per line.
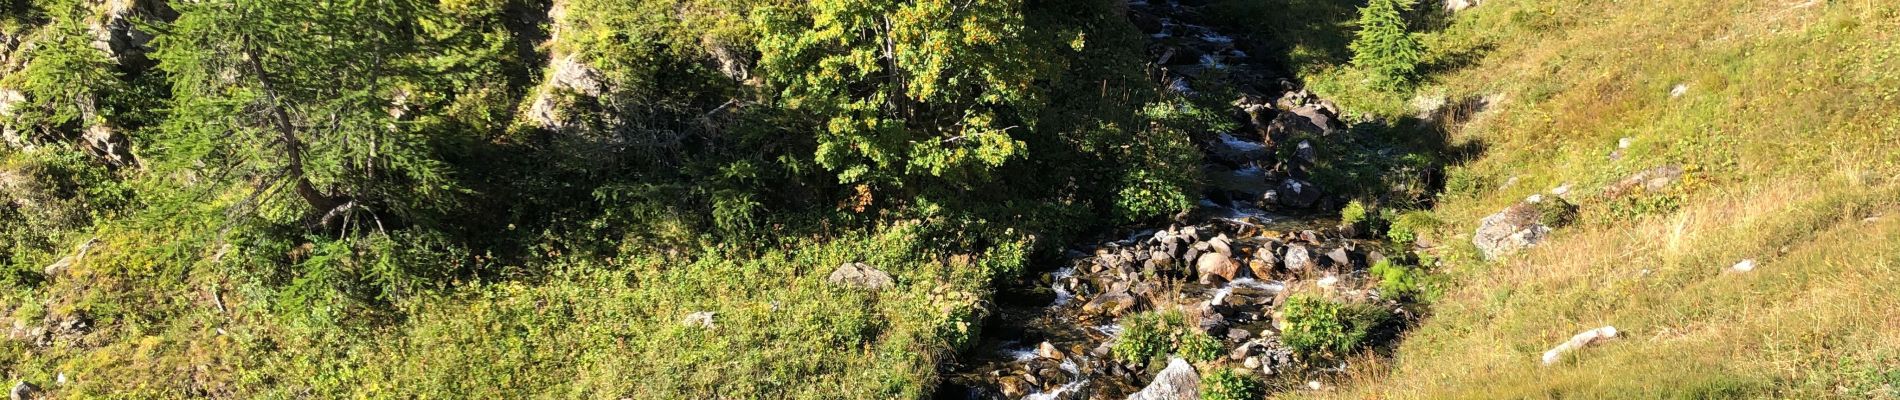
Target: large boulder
(1296,193)
(1215,268)
(1178,381)
(1112,304)
(1516,228)
(1300,259)
(859,275)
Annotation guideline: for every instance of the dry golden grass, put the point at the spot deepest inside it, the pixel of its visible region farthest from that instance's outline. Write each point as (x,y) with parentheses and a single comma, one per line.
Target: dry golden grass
(1791,132)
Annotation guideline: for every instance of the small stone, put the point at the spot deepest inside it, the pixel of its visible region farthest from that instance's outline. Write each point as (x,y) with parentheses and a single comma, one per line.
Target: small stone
(702,319)
(1743,266)
(1679,90)
(1340,257)
(1313,385)
(1328,282)
(1252,363)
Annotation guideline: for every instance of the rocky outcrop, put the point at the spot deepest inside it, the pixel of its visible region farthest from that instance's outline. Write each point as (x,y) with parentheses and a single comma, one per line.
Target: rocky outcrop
(1516,228)
(115,32)
(1522,225)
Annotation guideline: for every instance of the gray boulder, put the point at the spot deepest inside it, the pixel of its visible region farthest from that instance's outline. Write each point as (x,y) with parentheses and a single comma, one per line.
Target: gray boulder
(1178,381)
(1509,231)
(860,276)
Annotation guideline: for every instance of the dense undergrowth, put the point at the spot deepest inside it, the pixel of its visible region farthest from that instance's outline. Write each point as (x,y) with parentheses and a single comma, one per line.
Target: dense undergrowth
(576,198)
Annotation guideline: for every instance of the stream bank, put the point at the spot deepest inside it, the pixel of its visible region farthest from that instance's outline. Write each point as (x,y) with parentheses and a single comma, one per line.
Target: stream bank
(1262,231)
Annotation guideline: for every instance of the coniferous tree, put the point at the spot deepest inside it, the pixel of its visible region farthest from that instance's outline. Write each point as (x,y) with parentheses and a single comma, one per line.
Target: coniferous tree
(1385,47)
(309,97)
(904,89)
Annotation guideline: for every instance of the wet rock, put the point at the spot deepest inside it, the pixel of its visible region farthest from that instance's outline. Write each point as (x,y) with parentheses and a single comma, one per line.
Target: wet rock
(1178,381)
(1215,268)
(860,276)
(1013,387)
(1049,351)
(1296,193)
(1299,259)
(1112,304)
(1650,180)
(1516,228)
(1239,335)
(1221,244)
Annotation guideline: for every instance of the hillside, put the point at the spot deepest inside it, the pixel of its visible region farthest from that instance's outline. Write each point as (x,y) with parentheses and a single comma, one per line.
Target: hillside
(1782,117)
(969,199)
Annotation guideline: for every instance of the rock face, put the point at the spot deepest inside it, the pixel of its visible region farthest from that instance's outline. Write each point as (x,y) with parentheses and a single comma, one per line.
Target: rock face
(860,276)
(1176,382)
(1516,228)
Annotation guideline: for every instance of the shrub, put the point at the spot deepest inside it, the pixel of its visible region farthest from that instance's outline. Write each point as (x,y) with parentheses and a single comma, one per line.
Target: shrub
(1143,338)
(1225,384)
(1354,213)
(1197,346)
(1317,326)
(1407,226)
(1396,281)
(1148,336)
(1384,47)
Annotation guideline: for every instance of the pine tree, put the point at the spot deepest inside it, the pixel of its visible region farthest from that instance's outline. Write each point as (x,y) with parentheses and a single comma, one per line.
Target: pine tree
(904,89)
(304,95)
(1385,47)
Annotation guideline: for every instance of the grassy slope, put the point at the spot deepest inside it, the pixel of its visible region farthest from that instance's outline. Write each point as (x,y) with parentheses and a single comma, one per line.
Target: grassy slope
(1791,132)
(592,328)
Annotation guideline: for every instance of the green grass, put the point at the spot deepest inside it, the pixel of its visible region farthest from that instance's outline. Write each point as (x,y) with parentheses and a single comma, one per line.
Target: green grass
(1789,130)
(592,328)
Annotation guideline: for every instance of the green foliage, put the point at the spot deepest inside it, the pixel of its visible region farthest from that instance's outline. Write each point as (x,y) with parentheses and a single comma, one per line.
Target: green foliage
(1385,46)
(1149,336)
(1556,212)
(1317,326)
(1354,213)
(1407,226)
(905,89)
(1397,282)
(1226,384)
(1144,337)
(1197,346)
(310,96)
